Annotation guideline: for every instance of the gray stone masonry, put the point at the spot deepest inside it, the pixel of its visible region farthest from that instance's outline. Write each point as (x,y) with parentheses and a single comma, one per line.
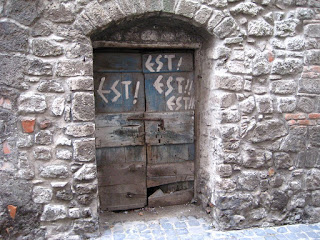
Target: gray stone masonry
(257,114)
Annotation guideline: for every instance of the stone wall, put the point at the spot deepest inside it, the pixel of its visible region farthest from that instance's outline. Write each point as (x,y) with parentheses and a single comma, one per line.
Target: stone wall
(257,110)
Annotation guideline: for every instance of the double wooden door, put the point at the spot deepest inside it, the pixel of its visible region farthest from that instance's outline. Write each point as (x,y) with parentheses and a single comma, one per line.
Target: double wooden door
(144,126)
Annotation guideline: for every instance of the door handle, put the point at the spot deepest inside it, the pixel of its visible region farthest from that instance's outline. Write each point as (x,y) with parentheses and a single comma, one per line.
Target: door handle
(161,125)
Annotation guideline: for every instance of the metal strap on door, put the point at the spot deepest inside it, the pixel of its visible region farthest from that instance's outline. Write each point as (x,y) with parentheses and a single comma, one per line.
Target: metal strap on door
(144,127)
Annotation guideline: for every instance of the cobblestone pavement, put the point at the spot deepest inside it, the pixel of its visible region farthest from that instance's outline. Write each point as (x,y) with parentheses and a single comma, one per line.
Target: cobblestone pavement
(199,228)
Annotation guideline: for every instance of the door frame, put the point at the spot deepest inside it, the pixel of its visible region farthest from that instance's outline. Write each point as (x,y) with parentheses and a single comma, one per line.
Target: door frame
(196,47)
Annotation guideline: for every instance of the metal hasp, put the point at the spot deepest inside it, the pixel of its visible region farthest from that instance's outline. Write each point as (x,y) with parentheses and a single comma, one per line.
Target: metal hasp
(144,127)
(161,125)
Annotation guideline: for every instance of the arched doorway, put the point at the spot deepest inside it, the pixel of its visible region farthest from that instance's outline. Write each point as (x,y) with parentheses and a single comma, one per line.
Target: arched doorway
(147,79)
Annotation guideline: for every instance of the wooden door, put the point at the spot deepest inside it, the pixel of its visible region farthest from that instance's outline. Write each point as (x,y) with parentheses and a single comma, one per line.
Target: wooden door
(144,127)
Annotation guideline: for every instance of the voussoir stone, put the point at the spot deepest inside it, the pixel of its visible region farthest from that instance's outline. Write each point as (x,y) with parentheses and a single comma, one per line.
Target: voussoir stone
(225,28)
(54,171)
(32,103)
(247,8)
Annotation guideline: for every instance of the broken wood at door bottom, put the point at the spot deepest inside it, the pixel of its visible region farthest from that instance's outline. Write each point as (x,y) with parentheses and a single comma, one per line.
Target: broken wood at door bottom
(170,199)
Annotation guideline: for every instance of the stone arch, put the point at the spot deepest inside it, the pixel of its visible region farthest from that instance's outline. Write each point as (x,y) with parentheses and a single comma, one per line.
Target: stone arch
(95,22)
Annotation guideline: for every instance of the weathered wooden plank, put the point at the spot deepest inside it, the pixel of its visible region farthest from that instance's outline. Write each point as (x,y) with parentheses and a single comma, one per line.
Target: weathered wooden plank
(119,92)
(169,91)
(166,173)
(167,62)
(115,130)
(170,153)
(112,155)
(170,199)
(122,173)
(122,197)
(178,128)
(104,61)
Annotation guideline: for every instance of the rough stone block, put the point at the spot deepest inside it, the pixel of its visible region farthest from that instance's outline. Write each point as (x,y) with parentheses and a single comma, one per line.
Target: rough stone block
(307,85)
(83,106)
(80,84)
(50,86)
(13,38)
(315,198)
(261,65)
(259,28)
(53,212)
(41,194)
(313,179)
(85,188)
(64,194)
(168,5)
(287,66)
(85,226)
(308,158)
(264,104)
(44,137)
(32,103)
(231,116)
(86,172)
(80,212)
(295,43)
(11,71)
(58,105)
(224,170)
(41,29)
(286,28)
(54,171)
(230,82)
(44,48)
(203,14)
(249,181)
(283,87)
(73,68)
(85,199)
(255,158)
(312,57)
(187,8)
(24,141)
(80,129)
(24,11)
(39,68)
(248,105)
(246,8)
(63,154)
(312,30)
(286,104)
(282,160)
(225,28)
(295,141)
(78,50)
(42,153)
(279,200)
(314,133)
(237,67)
(268,130)
(306,104)
(84,150)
